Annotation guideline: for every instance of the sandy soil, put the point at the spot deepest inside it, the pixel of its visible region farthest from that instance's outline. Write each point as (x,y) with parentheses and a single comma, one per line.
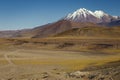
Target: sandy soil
(25,64)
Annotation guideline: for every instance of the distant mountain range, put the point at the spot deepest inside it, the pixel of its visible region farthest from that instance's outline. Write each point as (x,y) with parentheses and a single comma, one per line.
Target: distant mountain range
(84,15)
(79,19)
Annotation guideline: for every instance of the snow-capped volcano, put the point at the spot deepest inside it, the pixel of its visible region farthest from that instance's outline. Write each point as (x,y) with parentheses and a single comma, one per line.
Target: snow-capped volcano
(84,15)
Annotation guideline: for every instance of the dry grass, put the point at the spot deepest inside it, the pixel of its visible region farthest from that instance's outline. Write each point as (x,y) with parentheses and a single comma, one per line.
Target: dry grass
(112,50)
(68,63)
(78,64)
(3,62)
(91,32)
(79,44)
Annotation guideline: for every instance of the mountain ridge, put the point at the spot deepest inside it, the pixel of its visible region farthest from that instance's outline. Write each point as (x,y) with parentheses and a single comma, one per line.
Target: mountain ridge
(84,15)
(78,19)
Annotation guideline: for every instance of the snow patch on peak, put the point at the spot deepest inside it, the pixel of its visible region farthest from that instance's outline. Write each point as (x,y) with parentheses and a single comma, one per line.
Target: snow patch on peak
(100,14)
(82,12)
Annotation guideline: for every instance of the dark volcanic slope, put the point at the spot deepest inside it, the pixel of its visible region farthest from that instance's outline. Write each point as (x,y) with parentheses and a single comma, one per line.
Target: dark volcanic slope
(55,28)
(114,23)
(52,29)
(43,31)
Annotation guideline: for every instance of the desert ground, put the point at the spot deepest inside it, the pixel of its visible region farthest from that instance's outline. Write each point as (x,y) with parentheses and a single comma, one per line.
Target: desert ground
(60,59)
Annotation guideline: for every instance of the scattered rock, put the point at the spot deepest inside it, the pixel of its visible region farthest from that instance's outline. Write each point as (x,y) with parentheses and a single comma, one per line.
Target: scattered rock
(45,75)
(92,76)
(79,74)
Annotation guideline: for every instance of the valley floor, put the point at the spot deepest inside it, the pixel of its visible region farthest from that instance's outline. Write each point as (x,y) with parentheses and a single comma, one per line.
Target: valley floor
(30,62)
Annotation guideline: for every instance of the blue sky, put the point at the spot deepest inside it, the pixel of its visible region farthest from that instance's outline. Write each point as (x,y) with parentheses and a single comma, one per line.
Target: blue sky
(20,14)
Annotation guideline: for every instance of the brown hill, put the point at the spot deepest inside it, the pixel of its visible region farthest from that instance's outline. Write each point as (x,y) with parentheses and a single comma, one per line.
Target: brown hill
(62,27)
(55,28)
(48,30)
(91,31)
(8,34)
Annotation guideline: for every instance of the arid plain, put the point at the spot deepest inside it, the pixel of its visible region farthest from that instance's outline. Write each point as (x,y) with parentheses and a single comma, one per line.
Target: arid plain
(55,58)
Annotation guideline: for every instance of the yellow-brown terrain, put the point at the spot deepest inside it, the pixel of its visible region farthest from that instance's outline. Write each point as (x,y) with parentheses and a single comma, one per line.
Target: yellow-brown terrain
(63,56)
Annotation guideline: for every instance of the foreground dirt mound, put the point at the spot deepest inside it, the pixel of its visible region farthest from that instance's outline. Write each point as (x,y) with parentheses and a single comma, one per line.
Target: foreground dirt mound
(107,72)
(110,71)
